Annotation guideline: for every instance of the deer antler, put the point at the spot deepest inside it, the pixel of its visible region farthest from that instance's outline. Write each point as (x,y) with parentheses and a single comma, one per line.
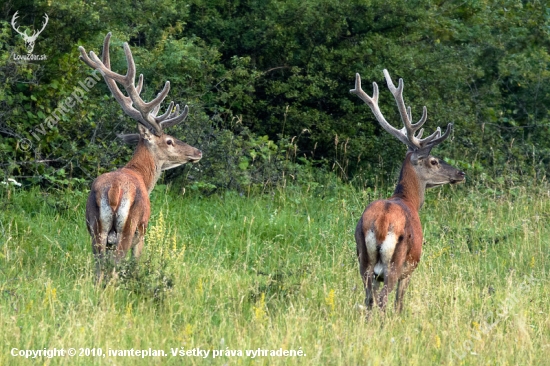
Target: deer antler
(13,25)
(34,34)
(143,112)
(407,134)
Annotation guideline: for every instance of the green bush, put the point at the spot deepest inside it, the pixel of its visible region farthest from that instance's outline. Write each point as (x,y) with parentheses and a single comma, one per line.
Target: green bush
(265,78)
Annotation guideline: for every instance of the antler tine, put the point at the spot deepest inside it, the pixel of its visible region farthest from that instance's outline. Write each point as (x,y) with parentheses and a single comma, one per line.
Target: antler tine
(140,84)
(35,34)
(143,107)
(13,23)
(406,114)
(177,110)
(123,100)
(437,137)
(177,119)
(426,140)
(155,111)
(106,56)
(166,114)
(373,104)
(422,119)
(361,94)
(398,96)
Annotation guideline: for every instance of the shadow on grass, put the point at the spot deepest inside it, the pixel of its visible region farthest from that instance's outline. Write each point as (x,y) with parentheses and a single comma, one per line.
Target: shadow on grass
(280,286)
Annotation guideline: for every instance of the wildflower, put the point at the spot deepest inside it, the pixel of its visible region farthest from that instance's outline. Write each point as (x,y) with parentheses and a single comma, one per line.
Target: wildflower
(259,311)
(330,300)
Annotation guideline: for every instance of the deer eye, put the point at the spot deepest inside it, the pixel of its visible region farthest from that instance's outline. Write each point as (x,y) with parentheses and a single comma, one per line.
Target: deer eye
(169,142)
(433,162)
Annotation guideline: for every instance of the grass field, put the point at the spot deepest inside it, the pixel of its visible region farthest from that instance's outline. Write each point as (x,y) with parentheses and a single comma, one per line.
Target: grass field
(277,270)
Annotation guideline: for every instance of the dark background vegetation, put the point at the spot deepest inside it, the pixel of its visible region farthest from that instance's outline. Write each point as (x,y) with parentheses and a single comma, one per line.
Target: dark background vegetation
(267,83)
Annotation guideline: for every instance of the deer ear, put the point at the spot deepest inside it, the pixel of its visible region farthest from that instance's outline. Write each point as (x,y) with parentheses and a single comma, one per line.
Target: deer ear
(131,138)
(145,133)
(422,153)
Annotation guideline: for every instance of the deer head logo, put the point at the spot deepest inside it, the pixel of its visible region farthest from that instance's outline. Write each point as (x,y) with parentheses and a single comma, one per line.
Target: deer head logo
(29,40)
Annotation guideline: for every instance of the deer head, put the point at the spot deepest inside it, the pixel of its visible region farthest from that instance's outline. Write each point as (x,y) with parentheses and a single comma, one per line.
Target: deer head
(168,151)
(431,171)
(29,40)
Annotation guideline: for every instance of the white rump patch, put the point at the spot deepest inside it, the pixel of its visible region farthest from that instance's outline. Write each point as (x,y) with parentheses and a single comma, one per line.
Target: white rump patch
(387,248)
(122,213)
(370,242)
(105,216)
(386,253)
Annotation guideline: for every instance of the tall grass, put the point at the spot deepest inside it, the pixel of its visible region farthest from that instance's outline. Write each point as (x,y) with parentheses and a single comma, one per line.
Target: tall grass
(237,272)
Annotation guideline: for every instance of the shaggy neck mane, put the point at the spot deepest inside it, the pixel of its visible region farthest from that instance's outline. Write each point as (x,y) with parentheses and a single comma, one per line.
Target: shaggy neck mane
(409,188)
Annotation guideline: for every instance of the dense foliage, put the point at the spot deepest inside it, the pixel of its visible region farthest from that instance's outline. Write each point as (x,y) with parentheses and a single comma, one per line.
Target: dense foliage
(268,85)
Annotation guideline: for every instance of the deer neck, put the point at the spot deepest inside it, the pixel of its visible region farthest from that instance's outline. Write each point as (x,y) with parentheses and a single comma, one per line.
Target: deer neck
(410,188)
(146,165)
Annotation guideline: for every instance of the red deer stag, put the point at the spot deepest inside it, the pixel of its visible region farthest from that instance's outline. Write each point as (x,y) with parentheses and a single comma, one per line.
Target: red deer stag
(118,207)
(389,233)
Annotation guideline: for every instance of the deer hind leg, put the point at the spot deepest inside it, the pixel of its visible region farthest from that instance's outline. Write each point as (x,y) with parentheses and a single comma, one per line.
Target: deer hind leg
(99,220)
(401,288)
(125,227)
(392,274)
(363,261)
(390,280)
(375,288)
(126,240)
(99,247)
(368,261)
(408,268)
(137,243)
(369,299)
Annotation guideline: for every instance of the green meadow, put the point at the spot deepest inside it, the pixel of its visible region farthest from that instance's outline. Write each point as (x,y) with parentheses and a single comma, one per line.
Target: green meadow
(273,272)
